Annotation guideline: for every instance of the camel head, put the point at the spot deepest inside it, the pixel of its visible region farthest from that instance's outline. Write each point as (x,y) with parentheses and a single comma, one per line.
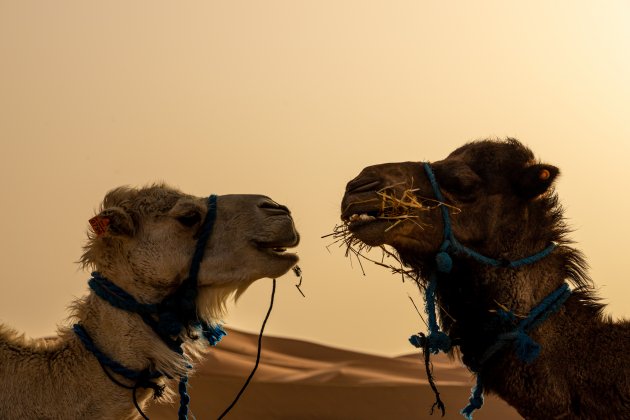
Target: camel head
(147,239)
(498,197)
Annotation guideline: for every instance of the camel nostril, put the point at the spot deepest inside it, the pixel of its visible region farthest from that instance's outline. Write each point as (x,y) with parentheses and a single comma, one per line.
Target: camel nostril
(271,207)
(360,184)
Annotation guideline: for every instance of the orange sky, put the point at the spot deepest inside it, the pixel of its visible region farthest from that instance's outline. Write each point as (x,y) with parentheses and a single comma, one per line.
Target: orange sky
(291,99)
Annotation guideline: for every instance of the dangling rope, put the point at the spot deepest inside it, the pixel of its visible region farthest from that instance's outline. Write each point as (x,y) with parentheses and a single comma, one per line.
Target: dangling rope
(435,342)
(260,336)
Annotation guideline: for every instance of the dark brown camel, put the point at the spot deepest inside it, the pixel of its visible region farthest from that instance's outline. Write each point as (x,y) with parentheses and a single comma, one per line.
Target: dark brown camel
(502,205)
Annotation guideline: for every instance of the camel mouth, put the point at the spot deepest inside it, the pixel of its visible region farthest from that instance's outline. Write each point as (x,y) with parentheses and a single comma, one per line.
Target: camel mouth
(278,249)
(371,213)
(281,254)
(358,220)
(361,219)
(359,212)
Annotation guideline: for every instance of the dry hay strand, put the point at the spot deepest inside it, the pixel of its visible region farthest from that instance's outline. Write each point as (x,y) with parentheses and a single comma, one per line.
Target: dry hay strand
(397,209)
(393,207)
(403,208)
(342,237)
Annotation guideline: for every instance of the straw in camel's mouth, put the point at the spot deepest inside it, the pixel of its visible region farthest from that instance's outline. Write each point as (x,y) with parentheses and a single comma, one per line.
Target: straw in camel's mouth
(389,206)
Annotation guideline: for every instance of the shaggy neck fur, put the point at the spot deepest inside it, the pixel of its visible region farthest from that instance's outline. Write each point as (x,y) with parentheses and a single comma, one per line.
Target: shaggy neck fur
(62,363)
(576,361)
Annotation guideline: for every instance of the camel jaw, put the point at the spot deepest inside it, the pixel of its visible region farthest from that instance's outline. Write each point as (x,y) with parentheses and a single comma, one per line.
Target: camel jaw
(277,249)
(362,209)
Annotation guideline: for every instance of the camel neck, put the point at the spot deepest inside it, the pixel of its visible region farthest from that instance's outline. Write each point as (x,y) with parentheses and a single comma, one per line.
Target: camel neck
(482,331)
(574,363)
(479,303)
(125,338)
(474,296)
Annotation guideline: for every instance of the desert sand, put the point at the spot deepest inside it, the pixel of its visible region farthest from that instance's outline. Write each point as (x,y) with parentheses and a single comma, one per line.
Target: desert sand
(302,380)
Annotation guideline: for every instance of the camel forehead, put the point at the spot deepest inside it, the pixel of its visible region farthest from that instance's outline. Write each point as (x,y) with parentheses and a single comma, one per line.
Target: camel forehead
(154,199)
(491,156)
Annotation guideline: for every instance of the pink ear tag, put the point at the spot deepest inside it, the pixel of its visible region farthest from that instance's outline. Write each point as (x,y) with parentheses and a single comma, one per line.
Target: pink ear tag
(99,224)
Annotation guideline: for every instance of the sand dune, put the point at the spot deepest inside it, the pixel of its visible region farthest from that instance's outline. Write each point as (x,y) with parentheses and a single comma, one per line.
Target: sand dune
(301,380)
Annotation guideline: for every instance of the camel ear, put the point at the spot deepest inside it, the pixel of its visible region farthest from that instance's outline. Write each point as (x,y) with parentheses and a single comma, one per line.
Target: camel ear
(535,180)
(113,221)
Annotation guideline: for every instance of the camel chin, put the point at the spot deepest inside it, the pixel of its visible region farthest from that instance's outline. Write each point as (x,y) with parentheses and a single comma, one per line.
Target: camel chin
(371,233)
(278,260)
(262,263)
(214,294)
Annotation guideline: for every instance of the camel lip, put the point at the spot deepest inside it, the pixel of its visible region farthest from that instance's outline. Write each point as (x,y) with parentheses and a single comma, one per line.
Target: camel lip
(363,214)
(278,246)
(361,224)
(279,253)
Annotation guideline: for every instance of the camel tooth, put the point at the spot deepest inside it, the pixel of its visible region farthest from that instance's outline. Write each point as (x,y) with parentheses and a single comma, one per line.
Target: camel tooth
(361,217)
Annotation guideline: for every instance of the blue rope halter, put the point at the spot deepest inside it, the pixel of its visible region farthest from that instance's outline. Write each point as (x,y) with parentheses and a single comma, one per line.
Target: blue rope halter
(176,313)
(527,349)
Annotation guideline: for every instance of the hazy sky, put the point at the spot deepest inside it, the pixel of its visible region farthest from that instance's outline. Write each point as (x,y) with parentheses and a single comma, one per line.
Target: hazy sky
(291,99)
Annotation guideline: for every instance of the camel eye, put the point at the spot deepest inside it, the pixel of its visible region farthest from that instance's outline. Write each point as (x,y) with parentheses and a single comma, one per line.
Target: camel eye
(461,185)
(458,179)
(189,219)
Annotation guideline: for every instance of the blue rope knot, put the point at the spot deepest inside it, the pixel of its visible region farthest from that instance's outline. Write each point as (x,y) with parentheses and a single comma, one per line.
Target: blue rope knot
(212,333)
(444,262)
(435,342)
(417,340)
(439,340)
(526,348)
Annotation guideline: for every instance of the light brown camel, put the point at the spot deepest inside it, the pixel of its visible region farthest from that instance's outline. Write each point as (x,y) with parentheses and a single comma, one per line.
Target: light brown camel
(502,205)
(144,244)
